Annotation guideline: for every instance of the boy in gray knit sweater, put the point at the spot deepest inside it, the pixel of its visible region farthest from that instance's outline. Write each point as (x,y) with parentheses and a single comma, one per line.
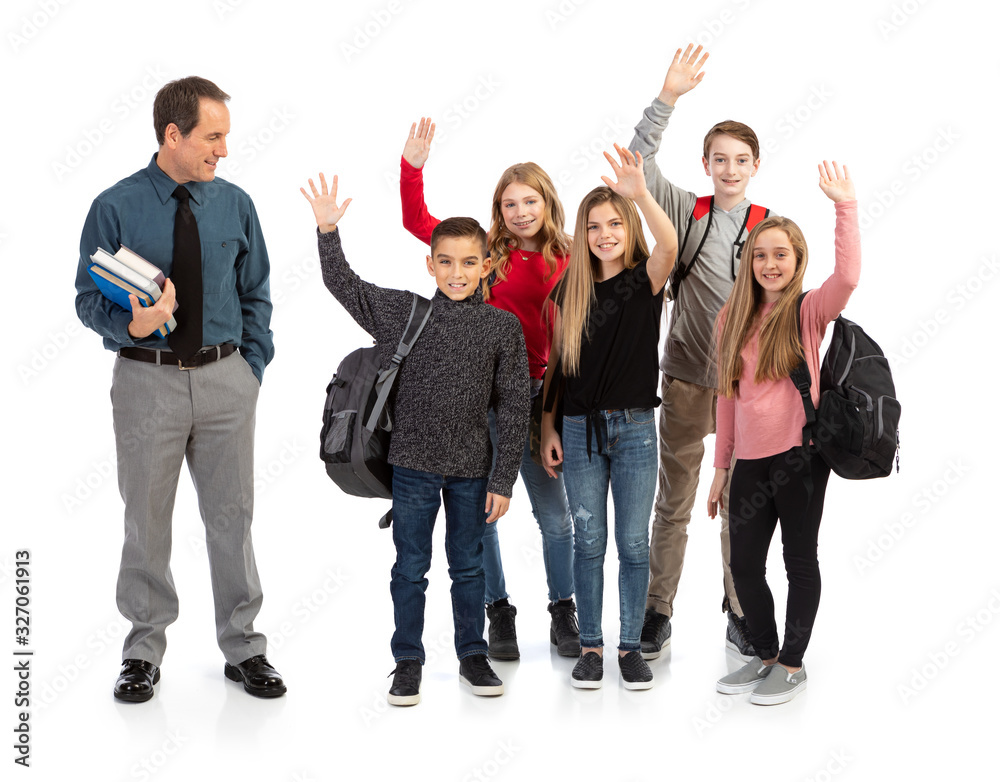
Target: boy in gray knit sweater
(470,357)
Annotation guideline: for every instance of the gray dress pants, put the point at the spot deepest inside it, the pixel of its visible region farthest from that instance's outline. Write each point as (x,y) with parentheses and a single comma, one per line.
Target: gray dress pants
(162,416)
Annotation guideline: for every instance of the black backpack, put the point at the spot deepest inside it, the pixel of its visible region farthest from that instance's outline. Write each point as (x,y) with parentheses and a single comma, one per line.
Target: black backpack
(856,429)
(357,425)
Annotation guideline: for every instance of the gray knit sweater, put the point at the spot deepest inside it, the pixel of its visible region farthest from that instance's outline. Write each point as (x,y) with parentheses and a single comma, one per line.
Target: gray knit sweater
(469,358)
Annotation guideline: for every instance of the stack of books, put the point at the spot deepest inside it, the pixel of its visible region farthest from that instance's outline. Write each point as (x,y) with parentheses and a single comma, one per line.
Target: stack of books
(128,272)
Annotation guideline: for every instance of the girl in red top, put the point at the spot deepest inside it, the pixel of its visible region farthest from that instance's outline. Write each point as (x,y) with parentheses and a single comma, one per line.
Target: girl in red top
(760,419)
(529,250)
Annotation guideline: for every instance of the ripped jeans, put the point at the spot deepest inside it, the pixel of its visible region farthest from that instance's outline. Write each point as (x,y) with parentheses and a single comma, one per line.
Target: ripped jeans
(627,464)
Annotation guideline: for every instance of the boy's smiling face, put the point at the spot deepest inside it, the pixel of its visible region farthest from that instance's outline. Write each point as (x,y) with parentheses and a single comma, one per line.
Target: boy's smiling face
(458,266)
(731,164)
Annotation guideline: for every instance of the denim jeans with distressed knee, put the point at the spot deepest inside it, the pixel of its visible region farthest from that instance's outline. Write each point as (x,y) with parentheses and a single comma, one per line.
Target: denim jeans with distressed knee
(623,459)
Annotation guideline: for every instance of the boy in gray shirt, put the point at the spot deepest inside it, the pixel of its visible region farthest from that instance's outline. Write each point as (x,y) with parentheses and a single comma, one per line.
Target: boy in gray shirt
(711,232)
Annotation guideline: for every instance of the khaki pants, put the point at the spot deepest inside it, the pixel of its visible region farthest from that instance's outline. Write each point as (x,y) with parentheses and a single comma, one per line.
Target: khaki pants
(686,418)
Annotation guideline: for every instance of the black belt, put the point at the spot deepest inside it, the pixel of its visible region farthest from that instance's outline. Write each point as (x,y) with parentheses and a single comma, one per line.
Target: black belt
(168,359)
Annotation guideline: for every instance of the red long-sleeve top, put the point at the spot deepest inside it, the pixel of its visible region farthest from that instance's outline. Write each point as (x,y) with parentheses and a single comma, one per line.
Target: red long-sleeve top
(526,289)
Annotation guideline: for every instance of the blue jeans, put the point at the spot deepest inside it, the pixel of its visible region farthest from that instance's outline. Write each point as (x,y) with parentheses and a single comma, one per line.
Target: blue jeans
(416,497)
(548,504)
(628,464)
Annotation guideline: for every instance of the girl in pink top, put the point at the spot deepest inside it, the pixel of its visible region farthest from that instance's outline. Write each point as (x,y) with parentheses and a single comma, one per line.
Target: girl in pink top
(760,420)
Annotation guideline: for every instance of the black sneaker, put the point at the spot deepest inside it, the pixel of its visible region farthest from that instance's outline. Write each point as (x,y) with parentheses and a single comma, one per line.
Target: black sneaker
(635,673)
(564,631)
(738,638)
(475,672)
(502,635)
(655,634)
(588,673)
(405,689)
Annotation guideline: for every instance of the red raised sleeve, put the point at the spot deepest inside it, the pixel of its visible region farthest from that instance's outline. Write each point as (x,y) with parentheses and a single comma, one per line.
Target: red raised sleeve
(416,219)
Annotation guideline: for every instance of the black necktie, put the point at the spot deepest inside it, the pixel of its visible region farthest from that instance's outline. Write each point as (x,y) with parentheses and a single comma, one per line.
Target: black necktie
(185,340)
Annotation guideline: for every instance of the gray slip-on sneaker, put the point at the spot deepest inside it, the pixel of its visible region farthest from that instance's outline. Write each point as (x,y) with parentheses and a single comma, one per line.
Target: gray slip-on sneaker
(745,679)
(780,686)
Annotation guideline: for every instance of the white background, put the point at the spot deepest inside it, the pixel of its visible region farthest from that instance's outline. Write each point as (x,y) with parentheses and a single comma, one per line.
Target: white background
(901,666)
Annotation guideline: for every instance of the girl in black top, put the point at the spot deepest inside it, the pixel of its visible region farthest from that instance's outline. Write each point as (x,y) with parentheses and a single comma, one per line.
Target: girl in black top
(606,332)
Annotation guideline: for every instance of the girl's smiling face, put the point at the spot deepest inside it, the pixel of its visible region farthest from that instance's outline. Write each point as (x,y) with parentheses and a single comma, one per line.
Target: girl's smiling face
(523,210)
(606,237)
(774,262)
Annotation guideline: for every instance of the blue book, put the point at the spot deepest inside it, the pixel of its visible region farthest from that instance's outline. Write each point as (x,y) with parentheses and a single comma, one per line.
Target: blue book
(117,290)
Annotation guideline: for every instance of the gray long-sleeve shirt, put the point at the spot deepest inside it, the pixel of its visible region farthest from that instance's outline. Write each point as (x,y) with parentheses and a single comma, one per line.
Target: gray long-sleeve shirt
(689,353)
(469,358)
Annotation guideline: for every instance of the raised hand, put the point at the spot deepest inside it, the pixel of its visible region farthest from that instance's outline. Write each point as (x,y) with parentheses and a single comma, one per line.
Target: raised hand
(324,204)
(836,183)
(418,145)
(684,74)
(631,182)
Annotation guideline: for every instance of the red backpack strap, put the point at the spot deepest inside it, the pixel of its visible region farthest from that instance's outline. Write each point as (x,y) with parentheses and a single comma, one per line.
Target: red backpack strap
(702,207)
(755,214)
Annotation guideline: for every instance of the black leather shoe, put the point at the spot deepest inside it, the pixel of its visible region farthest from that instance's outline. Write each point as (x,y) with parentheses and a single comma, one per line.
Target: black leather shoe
(258,677)
(135,682)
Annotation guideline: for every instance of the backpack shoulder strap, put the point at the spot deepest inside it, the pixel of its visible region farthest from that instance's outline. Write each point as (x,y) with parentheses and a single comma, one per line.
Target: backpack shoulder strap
(803,380)
(420,313)
(703,206)
(803,383)
(755,214)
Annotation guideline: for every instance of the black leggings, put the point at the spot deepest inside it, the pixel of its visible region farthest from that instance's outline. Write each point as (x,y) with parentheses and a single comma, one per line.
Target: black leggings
(763,492)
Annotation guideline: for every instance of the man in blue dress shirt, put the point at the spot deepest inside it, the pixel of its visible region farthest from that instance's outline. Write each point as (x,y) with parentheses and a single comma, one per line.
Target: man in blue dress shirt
(193,395)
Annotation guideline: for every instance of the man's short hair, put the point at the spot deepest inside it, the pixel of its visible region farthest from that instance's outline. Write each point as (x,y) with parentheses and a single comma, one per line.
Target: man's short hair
(178,102)
(459,228)
(738,131)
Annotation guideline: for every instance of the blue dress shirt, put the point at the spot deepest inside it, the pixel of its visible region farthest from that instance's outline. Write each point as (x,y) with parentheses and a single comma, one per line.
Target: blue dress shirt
(139,213)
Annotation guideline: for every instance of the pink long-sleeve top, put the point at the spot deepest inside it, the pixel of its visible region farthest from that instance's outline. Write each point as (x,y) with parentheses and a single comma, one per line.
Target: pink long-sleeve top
(765,419)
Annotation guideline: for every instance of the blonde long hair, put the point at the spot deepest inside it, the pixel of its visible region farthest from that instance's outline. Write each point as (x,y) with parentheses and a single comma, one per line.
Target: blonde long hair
(577,283)
(780,342)
(552,234)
